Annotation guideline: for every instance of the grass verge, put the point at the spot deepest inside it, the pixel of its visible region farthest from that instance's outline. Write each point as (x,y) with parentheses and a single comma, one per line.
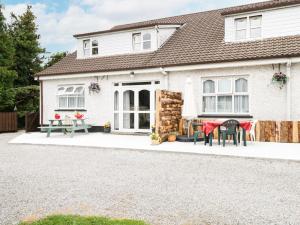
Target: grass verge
(82,220)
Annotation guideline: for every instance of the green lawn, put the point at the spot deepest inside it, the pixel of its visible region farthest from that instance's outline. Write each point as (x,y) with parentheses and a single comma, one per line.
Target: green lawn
(81,220)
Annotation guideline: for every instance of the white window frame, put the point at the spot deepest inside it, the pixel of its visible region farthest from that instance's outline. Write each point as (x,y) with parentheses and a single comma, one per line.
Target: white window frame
(142,41)
(236,29)
(95,47)
(255,27)
(248,27)
(86,48)
(135,43)
(232,93)
(68,95)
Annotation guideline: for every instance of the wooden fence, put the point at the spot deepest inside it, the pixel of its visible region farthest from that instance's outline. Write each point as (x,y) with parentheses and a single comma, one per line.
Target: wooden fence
(8,122)
(278,131)
(32,121)
(266,131)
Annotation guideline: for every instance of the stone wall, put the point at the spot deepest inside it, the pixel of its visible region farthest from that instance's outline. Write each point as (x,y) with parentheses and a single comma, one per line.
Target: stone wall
(168,112)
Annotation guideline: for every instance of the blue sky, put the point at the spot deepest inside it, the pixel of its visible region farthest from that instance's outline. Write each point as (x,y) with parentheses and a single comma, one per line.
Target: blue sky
(59,20)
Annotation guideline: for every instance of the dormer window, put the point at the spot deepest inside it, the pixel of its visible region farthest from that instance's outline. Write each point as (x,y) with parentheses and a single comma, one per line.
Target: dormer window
(136,41)
(147,41)
(86,47)
(248,27)
(94,47)
(141,42)
(255,26)
(241,28)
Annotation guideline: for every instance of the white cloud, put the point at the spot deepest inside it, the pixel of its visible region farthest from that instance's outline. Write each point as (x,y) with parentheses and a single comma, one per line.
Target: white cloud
(58,28)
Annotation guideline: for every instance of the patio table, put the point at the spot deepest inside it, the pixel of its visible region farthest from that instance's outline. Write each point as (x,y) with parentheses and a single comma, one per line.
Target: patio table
(64,127)
(209,126)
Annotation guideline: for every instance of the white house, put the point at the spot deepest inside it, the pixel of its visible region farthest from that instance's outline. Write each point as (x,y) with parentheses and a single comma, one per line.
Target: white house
(230,54)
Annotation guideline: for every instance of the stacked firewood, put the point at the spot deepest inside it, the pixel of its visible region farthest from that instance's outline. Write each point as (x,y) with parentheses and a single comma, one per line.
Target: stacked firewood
(168,112)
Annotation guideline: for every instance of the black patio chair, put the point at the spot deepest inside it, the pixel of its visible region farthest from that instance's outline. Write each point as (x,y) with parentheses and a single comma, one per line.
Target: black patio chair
(229,128)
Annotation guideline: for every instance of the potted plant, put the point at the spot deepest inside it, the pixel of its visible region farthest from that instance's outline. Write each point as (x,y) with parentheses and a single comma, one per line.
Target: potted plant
(94,88)
(107,127)
(155,139)
(78,115)
(172,136)
(57,116)
(280,78)
(153,128)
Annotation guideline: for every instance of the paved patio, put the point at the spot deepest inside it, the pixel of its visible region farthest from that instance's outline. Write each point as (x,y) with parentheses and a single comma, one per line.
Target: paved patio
(142,143)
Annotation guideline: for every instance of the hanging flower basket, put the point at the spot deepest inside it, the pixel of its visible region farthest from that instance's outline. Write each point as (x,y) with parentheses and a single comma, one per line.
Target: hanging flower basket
(94,88)
(280,79)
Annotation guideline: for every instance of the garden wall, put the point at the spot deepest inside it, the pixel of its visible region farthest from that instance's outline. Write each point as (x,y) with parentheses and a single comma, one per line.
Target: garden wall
(168,112)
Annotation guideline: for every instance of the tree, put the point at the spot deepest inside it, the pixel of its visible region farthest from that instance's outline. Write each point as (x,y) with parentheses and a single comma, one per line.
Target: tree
(54,58)
(28,52)
(7,75)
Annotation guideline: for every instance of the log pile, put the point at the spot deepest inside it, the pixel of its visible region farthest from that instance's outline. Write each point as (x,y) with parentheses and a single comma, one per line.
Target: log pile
(168,112)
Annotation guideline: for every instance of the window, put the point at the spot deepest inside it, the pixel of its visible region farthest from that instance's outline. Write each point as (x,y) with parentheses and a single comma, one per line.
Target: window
(136,42)
(70,97)
(94,47)
(255,26)
(241,98)
(225,96)
(147,41)
(241,28)
(141,42)
(248,27)
(86,47)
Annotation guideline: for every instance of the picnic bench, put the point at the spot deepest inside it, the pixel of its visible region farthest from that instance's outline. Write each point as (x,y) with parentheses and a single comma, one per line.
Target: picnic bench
(64,128)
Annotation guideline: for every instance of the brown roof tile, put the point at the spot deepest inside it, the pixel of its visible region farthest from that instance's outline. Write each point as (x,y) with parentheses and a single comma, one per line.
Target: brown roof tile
(200,40)
(260,6)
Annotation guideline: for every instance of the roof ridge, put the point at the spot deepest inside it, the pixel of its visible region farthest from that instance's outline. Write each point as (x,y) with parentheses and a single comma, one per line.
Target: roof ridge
(132,25)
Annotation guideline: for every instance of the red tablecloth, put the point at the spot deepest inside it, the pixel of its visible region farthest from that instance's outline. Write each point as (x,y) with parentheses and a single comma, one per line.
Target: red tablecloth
(209,126)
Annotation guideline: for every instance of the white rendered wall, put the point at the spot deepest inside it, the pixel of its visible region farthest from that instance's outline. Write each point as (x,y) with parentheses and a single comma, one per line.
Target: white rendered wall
(275,23)
(295,91)
(99,106)
(116,43)
(267,101)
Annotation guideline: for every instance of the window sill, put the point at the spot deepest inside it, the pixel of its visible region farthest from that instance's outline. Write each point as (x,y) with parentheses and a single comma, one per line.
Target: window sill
(70,110)
(238,116)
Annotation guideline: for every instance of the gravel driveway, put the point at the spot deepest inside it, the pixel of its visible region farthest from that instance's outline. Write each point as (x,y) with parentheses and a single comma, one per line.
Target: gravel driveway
(160,188)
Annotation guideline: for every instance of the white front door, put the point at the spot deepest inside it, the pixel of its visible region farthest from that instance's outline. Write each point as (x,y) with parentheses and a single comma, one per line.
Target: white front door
(134,107)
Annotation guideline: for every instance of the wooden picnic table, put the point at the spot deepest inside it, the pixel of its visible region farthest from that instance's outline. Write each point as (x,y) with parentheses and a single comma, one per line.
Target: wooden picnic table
(209,126)
(66,127)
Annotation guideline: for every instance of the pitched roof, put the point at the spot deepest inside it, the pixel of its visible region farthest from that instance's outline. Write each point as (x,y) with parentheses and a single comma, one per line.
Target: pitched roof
(260,6)
(128,27)
(200,40)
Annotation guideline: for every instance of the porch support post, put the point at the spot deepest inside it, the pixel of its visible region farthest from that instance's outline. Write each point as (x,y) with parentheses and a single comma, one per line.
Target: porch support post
(288,89)
(41,102)
(166,78)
